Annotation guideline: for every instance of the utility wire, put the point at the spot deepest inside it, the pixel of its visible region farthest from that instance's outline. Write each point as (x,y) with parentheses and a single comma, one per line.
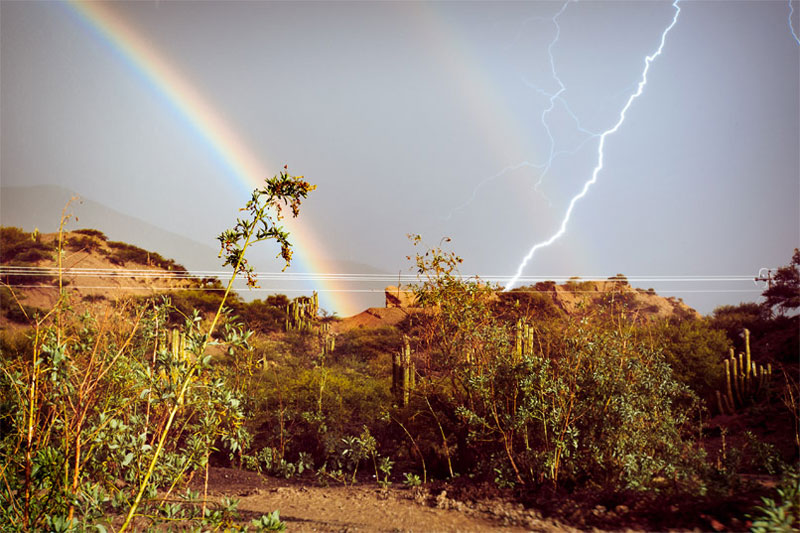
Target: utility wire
(372,291)
(353,277)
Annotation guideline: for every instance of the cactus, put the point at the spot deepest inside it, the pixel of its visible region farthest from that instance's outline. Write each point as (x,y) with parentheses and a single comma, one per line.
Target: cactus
(175,343)
(523,341)
(403,373)
(745,381)
(327,339)
(331,343)
(301,313)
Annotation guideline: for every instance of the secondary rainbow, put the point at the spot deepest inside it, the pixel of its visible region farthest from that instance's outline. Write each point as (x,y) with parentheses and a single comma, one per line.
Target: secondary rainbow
(232,152)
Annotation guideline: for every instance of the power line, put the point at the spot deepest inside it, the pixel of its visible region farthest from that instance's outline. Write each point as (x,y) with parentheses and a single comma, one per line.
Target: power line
(354,277)
(374,291)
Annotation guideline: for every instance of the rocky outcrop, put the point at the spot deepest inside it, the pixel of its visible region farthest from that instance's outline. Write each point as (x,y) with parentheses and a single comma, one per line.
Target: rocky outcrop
(575,297)
(399,297)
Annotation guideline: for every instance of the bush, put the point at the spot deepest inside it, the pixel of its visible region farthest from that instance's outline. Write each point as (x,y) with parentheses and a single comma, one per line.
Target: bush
(772,338)
(92,233)
(693,349)
(362,344)
(186,301)
(19,246)
(528,303)
(576,403)
(264,316)
(122,253)
(606,414)
(304,404)
(84,243)
(97,417)
(781,513)
(117,411)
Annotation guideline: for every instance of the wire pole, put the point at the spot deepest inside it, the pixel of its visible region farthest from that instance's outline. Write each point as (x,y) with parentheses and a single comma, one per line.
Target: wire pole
(767,278)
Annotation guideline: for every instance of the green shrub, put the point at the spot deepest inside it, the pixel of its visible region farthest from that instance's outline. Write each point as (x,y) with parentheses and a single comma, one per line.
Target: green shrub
(122,253)
(83,243)
(97,417)
(304,404)
(580,403)
(606,413)
(781,513)
(264,315)
(19,247)
(693,349)
(529,303)
(363,344)
(92,233)
(116,417)
(186,301)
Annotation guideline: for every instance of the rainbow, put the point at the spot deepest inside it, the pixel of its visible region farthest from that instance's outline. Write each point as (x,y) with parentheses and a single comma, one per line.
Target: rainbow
(247,170)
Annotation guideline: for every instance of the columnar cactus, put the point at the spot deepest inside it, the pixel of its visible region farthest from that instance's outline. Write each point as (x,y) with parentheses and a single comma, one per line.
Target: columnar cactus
(745,381)
(403,373)
(328,343)
(301,313)
(523,341)
(175,343)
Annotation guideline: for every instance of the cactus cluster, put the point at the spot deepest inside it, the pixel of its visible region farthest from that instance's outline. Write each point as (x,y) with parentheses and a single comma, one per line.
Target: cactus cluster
(523,341)
(175,343)
(327,339)
(403,373)
(301,313)
(745,381)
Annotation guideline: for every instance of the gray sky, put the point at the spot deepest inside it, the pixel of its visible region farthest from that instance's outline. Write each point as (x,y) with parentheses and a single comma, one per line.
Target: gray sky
(406,114)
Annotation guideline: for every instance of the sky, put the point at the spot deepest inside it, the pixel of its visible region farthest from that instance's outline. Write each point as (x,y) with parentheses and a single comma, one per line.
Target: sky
(470,120)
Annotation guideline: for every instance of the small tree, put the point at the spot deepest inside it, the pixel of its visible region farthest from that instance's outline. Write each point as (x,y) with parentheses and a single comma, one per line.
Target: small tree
(784,292)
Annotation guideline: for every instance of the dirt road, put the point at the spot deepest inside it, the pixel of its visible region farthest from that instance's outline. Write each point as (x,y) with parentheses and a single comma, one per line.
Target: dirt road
(369,509)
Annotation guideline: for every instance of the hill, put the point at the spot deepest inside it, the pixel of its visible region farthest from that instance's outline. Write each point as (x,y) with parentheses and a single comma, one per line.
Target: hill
(573,298)
(96,268)
(41,206)
(577,297)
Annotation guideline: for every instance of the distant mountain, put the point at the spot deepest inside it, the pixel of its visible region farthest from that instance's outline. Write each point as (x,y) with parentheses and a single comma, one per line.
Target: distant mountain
(40,207)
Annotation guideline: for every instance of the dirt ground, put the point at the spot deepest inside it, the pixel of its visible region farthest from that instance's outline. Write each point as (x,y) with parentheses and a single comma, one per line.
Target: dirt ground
(368,509)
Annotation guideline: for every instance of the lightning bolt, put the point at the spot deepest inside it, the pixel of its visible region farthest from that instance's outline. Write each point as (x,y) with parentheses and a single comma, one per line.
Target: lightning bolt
(791,28)
(554,98)
(600,154)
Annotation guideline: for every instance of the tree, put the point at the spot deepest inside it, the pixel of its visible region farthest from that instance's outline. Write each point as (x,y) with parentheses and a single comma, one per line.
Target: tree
(784,291)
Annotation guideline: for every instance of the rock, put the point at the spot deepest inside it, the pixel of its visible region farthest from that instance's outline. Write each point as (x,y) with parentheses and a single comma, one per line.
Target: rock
(441,500)
(399,297)
(599,510)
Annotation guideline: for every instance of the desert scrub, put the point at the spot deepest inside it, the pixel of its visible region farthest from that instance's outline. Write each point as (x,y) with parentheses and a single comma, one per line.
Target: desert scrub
(605,414)
(13,308)
(264,210)
(581,403)
(17,245)
(20,248)
(92,405)
(98,413)
(782,512)
(692,348)
(362,344)
(91,233)
(294,414)
(121,253)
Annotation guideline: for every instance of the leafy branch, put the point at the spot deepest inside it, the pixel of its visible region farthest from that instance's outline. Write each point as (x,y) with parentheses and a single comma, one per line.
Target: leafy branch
(265,210)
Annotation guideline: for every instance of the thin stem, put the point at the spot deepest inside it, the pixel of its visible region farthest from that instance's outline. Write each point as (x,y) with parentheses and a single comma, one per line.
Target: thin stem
(189,376)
